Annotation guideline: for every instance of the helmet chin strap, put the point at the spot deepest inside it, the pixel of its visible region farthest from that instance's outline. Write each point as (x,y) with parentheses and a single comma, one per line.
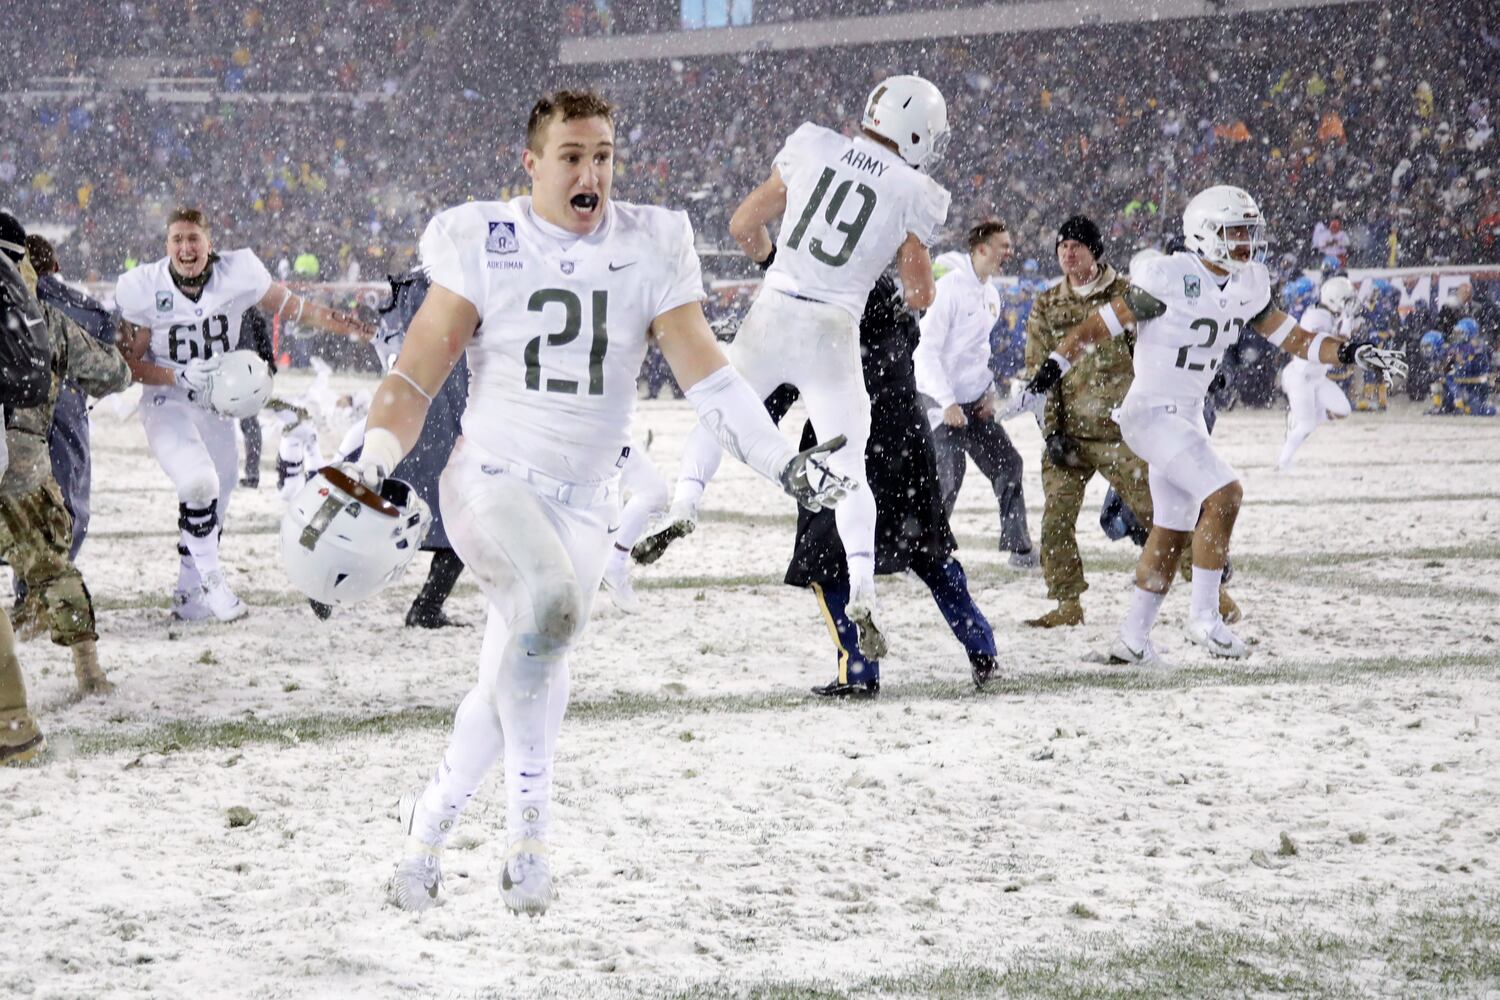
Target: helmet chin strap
(192,287)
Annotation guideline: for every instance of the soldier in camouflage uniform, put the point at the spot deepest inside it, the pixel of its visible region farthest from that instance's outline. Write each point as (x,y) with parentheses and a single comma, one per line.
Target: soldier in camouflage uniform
(1082,437)
(35,529)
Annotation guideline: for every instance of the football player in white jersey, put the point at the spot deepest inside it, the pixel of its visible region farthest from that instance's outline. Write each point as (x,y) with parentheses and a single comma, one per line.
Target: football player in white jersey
(849,205)
(180,314)
(1188,308)
(552,298)
(1311,396)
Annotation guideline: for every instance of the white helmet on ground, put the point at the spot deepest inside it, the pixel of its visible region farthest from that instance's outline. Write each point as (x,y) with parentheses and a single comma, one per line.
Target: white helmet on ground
(239,385)
(341,542)
(1210,216)
(910,112)
(1338,295)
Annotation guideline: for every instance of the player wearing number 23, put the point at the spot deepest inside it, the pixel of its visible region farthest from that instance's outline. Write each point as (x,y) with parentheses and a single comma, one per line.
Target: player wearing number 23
(181,315)
(1188,308)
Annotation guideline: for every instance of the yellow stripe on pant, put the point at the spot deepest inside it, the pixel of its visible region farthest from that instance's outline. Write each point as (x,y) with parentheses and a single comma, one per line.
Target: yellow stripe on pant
(833,631)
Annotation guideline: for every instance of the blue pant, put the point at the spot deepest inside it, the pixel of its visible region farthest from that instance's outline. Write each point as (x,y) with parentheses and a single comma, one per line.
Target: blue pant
(945,578)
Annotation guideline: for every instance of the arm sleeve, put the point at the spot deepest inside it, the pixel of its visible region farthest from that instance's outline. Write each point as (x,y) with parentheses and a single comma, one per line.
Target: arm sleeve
(927,359)
(1143,304)
(1264,310)
(451,264)
(684,282)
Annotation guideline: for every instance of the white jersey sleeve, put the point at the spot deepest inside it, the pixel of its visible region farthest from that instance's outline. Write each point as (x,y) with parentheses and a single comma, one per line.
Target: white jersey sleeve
(447,251)
(133,296)
(251,279)
(1317,320)
(928,211)
(686,273)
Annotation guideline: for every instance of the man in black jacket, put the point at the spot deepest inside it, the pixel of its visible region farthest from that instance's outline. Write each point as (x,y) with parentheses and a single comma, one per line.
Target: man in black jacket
(911,530)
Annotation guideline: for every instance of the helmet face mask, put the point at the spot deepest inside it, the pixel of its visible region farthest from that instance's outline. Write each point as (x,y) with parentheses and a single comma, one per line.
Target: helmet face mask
(910,112)
(1223,225)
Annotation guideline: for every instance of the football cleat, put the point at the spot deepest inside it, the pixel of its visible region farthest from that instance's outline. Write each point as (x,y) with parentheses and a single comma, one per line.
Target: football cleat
(621,590)
(220,600)
(189,606)
(417,883)
(681,520)
(1214,636)
(1120,653)
(526,878)
(872,642)
(861,691)
(982,667)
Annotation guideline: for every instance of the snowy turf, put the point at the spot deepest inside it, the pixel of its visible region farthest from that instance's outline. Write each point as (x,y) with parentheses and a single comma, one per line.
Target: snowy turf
(1079,831)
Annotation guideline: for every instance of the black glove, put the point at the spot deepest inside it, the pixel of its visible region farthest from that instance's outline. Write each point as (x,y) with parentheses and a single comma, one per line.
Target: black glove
(1063,451)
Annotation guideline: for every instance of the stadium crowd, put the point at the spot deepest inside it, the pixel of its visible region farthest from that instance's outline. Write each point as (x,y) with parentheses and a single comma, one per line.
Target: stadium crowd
(1393,138)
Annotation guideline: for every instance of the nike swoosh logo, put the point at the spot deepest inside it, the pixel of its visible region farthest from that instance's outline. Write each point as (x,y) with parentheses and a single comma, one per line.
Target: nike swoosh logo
(621,267)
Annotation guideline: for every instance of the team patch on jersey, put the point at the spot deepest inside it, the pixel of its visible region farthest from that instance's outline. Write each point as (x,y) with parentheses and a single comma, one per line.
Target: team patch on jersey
(1191,286)
(163,302)
(502,238)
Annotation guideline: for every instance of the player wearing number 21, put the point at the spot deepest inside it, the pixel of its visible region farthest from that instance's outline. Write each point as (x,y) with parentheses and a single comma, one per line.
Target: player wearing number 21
(551,298)
(1188,308)
(181,315)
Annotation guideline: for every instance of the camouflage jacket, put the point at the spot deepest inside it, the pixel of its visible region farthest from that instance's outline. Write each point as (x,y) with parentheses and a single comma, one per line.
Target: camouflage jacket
(97,368)
(1080,406)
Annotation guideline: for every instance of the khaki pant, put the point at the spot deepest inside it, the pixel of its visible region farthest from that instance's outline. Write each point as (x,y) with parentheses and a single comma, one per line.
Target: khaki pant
(12,685)
(1062,567)
(35,535)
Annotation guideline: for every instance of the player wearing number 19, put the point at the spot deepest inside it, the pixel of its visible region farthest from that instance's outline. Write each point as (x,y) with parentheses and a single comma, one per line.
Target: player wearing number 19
(551,298)
(181,316)
(1188,308)
(847,206)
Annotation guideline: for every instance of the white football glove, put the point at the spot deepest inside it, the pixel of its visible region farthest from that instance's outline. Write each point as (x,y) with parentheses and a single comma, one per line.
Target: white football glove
(1388,364)
(808,479)
(197,379)
(1024,401)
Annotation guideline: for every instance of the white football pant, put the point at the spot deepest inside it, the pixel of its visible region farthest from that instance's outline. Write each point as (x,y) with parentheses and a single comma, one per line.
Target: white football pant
(198,452)
(1170,436)
(1310,401)
(815,347)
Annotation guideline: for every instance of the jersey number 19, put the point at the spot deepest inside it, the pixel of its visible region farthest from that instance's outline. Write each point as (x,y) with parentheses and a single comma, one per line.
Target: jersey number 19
(852,230)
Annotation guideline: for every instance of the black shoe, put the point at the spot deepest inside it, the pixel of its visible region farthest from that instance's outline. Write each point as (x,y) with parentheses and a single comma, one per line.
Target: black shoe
(323,611)
(423,615)
(982,667)
(854,692)
(250,482)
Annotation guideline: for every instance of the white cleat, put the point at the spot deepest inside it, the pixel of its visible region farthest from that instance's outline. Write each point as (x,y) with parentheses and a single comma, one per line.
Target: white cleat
(418,880)
(1121,654)
(220,600)
(680,520)
(1213,635)
(189,606)
(621,590)
(872,642)
(526,878)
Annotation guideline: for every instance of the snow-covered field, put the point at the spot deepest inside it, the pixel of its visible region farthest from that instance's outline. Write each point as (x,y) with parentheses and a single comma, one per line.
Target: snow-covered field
(1321,820)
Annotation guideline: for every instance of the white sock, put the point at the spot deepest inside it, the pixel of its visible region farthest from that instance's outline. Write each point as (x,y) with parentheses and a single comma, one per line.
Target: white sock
(531,695)
(1144,606)
(475,746)
(203,549)
(188,579)
(1205,606)
(633,517)
(855,518)
(1294,438)
(700,461)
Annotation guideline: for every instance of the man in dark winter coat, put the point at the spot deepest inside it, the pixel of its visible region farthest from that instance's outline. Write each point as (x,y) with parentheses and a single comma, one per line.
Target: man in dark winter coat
(911,529)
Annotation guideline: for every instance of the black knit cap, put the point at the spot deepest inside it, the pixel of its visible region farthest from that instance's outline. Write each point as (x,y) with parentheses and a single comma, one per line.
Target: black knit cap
(1082,229)
(12,236)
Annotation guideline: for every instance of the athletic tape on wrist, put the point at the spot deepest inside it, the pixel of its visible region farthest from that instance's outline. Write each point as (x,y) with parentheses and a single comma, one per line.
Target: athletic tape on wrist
(1315,349)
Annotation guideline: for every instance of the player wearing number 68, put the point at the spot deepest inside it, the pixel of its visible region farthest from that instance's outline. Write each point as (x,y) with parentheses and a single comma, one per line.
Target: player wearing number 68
(181,315)
(551,297)
(1188,308)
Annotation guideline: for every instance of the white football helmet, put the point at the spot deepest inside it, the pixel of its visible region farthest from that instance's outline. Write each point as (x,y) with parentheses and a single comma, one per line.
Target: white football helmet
(910,112)
(238,385)
(1338,295)
(341,542)
(1209,216)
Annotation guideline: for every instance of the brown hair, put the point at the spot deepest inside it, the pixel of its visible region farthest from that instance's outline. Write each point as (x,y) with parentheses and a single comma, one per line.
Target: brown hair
(564,105)
(982,232)
(43,256)
(193,215)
